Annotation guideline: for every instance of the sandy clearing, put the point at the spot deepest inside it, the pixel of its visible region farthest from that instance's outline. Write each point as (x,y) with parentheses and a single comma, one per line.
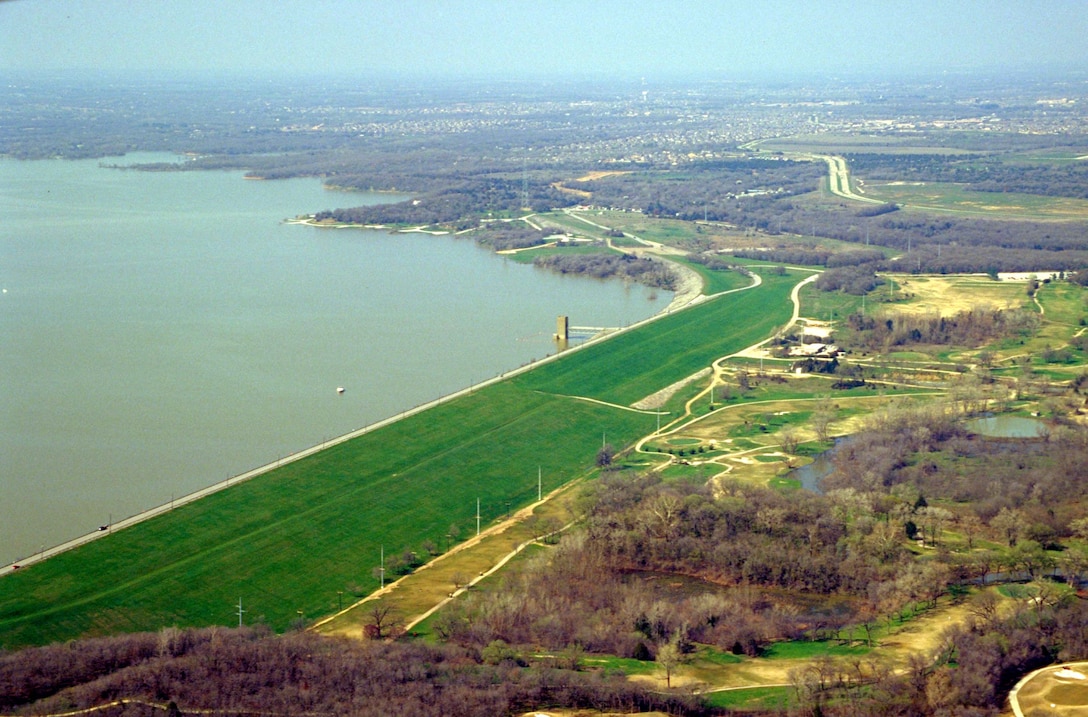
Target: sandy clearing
(599,174)
(945,296)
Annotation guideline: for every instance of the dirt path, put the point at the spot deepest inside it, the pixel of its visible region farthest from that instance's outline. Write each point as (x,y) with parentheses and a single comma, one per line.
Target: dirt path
(442,597)
(923,635)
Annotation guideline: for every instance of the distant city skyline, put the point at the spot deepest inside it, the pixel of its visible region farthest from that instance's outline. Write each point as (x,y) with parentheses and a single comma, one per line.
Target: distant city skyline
(559,38)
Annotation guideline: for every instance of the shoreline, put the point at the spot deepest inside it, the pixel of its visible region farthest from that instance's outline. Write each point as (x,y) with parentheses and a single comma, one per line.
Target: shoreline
(690,283)
(680,301)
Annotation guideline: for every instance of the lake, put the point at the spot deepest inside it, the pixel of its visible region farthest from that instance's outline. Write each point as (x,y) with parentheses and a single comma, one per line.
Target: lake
(160,332)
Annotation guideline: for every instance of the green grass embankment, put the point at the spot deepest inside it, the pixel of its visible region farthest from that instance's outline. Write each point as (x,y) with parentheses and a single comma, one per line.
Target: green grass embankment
(290,539)
(635,364)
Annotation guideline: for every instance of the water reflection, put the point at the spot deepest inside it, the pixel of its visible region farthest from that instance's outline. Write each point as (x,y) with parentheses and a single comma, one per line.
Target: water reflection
(1006,426)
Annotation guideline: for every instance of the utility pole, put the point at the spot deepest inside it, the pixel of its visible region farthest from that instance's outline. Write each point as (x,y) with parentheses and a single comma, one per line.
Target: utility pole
(240,611)
(477,517)
(381,568)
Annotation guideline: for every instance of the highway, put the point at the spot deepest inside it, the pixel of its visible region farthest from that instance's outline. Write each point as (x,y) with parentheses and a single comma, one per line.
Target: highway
(839,179)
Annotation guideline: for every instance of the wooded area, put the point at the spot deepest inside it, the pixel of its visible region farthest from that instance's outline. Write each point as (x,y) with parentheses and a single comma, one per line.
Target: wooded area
(986,173)
(247,671)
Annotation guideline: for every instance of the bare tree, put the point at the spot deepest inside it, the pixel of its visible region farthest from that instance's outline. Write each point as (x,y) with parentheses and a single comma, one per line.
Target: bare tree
(668,656)
(1008,522)
(822,418)
(789,438)
(380,621)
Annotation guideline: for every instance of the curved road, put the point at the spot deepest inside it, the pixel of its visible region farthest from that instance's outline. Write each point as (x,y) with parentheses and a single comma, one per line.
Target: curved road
(718,365)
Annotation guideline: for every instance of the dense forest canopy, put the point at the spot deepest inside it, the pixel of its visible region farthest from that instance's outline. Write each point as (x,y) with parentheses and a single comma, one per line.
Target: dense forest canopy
(247,671)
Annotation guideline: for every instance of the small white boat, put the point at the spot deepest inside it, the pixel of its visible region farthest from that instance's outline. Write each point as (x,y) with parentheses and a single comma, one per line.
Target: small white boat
(339,389)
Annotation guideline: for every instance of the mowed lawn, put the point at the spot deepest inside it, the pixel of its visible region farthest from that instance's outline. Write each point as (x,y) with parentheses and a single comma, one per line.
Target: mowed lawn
(633,365)
(285,543)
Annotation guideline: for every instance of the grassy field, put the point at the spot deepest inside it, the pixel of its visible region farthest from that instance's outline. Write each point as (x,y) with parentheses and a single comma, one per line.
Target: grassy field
(715,281)
(288,542)
(753,698)
(637,363)
(529,255)
(947,197)
(421,590)
(666,231)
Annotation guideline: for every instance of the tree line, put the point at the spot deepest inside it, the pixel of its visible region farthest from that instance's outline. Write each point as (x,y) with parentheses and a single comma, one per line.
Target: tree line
(970,328)
(978,173)
(644,270)
(926,243)
(461,203)
(249,671)
(912,475)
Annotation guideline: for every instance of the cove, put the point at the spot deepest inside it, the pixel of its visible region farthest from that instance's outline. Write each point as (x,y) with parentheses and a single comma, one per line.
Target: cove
(160,332)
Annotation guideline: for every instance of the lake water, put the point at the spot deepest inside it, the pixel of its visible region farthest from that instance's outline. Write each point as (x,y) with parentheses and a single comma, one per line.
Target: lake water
(1007,426)
(160,332)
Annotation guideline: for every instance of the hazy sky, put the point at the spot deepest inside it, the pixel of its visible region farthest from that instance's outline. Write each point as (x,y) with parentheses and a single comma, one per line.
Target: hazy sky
(542,37)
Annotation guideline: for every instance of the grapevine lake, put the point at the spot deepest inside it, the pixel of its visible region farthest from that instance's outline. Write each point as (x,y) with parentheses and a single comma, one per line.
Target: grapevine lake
(163,331)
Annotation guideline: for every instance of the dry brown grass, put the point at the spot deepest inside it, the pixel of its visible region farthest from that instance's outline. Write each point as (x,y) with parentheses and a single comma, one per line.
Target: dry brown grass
(948,295)
(418,592)
(598,174)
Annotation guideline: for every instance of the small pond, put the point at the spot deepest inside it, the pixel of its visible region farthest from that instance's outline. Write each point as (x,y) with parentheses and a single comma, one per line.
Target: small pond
(810,475)
(1007,426)
(822,464)
(999,426)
